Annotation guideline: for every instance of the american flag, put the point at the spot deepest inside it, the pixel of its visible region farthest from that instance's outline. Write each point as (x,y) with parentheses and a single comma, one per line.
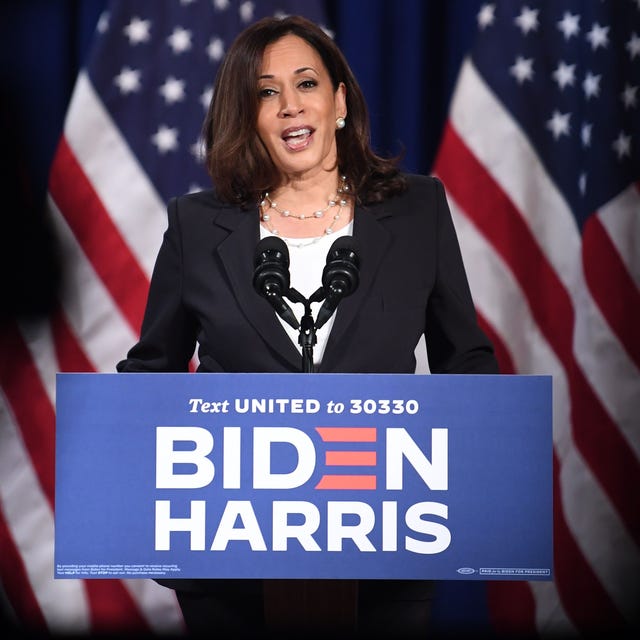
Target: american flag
(131,141)
(541,160)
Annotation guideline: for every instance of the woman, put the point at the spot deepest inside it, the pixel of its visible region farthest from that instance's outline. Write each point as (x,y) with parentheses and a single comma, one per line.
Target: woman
(288,151)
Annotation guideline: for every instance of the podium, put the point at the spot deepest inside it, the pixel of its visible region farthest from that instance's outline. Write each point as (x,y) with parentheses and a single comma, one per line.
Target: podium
(313,482)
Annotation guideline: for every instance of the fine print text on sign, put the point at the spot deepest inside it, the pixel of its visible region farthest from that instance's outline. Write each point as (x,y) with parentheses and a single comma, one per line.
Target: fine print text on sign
(303,476)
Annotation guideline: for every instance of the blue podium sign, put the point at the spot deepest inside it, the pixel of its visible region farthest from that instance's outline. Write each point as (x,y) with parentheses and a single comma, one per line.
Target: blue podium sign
(303,476)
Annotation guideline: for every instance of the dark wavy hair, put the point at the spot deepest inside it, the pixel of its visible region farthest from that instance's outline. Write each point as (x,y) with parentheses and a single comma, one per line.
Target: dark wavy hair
(238,163)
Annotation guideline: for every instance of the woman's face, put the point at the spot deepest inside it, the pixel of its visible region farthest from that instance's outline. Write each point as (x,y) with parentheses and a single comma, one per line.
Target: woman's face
(298,108)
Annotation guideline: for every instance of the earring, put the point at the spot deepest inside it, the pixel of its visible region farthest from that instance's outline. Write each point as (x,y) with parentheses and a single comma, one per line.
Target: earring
(340,123)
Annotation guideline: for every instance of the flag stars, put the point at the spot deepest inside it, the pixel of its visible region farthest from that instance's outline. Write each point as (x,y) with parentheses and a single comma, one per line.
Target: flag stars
(591,85)
(582,183)
(180,40)
(559,124)
(585,134)
(246,11)
(633,46)
(527,20)
(598,36)
(215,49)
(128,80)
(138,30)
(622,145)
(522,69)
(564,74)
(103,22)
(486,16)
(172,90)
(629,96)
(206,96)
(569,25)
(220,5)
(198,150)
(165,139)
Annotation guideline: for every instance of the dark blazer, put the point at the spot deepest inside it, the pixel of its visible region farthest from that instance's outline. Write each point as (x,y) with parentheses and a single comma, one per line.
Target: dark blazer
(412,281)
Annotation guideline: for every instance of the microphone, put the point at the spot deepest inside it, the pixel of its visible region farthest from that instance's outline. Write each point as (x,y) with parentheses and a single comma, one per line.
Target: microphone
(340,277)
(271,276)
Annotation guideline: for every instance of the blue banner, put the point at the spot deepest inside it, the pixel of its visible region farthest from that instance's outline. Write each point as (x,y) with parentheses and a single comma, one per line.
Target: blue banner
(303,476)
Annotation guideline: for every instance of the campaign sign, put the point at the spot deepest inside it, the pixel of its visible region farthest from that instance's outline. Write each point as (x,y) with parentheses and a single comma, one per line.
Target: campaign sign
(303,476)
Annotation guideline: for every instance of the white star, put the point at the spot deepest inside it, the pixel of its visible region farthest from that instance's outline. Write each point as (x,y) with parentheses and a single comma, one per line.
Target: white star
(582,183)
(633,45)
(622,145)
(215,49)
(246,11)
(220,5)
(198,150)
(205,97)
(186,2)
(137,30)
(128,80)
(569,25)
(585,134)
(194,188)
(172,90)
(103,22)
(565,74)
(165,139)
(180,40)
(598,36)
(522,69)
(591,85)
(527,20)
(559,124)
(486,15)
(629,96)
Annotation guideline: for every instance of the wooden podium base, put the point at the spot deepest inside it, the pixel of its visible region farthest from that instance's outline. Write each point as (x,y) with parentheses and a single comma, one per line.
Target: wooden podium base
(311,605)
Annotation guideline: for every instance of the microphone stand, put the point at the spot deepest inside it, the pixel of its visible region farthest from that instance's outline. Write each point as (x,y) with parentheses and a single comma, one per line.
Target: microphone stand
(303,604)
(307,336)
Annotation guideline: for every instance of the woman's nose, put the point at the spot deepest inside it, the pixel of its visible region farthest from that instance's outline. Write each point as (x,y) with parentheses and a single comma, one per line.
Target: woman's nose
(290,105)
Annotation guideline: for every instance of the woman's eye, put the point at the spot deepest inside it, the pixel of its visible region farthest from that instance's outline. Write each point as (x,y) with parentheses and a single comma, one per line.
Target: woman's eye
(308,84)
(266,92)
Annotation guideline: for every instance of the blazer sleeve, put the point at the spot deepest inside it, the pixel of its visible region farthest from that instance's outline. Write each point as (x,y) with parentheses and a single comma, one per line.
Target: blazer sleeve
(168,334)
(455,342)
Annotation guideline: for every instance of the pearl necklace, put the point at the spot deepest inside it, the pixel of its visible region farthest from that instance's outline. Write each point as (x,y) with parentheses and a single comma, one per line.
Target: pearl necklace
(338,200)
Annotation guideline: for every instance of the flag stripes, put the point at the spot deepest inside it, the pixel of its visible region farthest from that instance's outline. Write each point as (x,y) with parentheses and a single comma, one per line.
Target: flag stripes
(559,300)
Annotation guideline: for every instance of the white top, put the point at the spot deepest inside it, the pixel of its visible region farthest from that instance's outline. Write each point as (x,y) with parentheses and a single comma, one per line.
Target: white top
(306,262)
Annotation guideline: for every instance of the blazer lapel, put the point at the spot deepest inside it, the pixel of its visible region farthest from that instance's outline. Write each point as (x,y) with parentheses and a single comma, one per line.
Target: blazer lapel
(372,241)
(236,254)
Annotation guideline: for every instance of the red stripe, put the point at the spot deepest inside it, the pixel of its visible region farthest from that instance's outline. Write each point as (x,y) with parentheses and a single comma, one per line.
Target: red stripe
(350,458)
(502,352)
(611,286)
(347,434)
(71,357)
(30,404)
(97,235)
(500,221)
(581,592)
(112,608)
(15,582)
(347,482)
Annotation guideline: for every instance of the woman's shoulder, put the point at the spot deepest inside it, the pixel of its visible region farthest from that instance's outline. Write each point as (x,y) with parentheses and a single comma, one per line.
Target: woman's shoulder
(207,198)
(419,182)
(420,188)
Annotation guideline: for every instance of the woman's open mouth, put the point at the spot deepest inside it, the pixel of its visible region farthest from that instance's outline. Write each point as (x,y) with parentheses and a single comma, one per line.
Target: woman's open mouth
(297,138)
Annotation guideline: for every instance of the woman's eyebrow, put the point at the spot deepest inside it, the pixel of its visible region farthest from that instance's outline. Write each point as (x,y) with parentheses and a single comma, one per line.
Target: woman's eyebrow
(296,72)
